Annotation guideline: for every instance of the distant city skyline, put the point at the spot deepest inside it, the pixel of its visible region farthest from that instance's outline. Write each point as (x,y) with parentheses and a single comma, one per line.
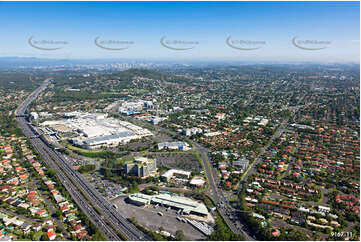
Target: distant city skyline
(200,31)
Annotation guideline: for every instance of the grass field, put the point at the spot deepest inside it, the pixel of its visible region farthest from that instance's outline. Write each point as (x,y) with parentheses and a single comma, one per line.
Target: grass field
(85,152)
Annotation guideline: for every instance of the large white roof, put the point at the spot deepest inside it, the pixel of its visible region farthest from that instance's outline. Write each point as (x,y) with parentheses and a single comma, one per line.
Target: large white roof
(186,204)
(171,172)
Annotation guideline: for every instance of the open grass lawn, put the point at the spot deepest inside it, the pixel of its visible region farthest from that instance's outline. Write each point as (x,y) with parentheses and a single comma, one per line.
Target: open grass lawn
(93,153)
(86,152)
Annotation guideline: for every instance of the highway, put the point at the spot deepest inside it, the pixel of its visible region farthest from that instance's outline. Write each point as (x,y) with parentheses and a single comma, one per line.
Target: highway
(91,202)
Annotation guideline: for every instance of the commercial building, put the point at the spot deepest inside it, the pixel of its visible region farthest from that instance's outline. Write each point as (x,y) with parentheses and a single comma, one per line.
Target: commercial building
(34,115)
(129,107)
(175,173)
(108,140)
(156,120)
(178,145)
(302,126)
(212,134)
(197,181)
(241,164)
(192,131)
(186,205)
(141,167)
(93,130)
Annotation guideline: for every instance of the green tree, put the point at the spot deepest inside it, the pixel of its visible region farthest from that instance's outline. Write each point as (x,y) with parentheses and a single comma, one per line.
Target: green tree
(179,235)
(87,168)
(59,229)
(51,173)
(223,233)
(44,237)
(58,213)
(98,236)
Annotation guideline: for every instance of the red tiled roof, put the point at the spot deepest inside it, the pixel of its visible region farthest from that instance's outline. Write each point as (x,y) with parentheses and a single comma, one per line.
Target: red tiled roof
(51,233)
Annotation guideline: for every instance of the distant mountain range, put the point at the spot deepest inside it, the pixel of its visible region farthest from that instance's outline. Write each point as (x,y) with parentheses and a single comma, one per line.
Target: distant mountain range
(30,62)
(33,61)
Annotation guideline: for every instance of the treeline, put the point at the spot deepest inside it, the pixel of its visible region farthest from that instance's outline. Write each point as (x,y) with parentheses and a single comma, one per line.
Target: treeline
(264,233)
(62,96)
(92,229)
(17,80)
(126,76)
(105,154)
(87,168)
(223,233)
(96,234)
(8,125)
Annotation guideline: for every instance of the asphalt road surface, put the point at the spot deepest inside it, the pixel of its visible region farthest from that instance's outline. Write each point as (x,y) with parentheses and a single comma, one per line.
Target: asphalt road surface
(99,211)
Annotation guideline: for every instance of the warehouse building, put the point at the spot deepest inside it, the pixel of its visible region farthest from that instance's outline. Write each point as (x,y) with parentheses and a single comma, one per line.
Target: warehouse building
(186,205)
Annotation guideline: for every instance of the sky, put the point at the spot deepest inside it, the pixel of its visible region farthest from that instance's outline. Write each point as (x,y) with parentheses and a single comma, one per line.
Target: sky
(269,31)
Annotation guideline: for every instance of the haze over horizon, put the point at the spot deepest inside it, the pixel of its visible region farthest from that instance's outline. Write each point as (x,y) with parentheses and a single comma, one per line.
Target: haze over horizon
(202,31)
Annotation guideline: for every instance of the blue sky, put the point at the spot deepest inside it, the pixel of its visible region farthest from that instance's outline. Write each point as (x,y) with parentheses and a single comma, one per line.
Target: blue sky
(207,23)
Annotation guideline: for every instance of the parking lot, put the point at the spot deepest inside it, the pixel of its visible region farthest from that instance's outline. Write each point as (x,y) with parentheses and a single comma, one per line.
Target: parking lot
(183,161)
(149,218)
(107,188)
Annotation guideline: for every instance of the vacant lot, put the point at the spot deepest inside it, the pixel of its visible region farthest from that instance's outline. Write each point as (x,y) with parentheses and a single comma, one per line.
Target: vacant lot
(139,146)
(184,161)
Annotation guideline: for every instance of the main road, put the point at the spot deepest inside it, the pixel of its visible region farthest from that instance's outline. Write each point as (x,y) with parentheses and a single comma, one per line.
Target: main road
(281,128)
(213,191)
(90,201)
